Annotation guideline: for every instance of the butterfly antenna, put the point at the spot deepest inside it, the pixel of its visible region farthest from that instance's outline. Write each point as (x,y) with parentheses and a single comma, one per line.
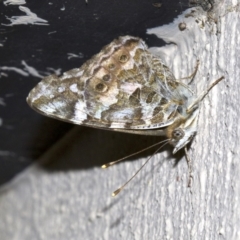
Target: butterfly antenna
(121,159)
(116,192)
(203,95)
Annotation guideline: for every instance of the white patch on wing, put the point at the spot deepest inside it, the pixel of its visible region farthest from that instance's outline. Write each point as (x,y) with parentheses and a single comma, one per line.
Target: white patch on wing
(80,112)
(130,87)
(123,115)
(97,114)
(47,108)
(72,73)
(42,90)
(147,112)
(128,65)
(61,89)
(79,73)
(74,88)
(55,108)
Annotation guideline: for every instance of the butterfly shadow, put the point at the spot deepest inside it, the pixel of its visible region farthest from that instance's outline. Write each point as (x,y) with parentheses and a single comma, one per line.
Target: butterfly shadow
(84,148)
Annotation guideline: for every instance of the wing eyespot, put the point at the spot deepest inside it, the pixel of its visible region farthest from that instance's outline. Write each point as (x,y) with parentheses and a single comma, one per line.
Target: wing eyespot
(106,78)
(111,66)
(123,58)
(100,87)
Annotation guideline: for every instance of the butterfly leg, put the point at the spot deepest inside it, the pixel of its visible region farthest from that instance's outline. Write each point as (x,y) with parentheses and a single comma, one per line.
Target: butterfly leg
(189,163)
(193,74)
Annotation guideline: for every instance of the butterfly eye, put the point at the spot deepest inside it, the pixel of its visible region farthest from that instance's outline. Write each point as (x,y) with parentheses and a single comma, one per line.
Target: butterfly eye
(123,58)
(111,66)
(177,133)
(106,77)
(100,87)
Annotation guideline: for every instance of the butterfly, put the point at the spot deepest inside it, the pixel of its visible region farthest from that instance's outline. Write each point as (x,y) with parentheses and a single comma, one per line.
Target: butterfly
(123,88)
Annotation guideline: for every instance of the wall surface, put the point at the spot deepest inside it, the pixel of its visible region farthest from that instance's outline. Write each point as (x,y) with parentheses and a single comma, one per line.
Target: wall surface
(66,195)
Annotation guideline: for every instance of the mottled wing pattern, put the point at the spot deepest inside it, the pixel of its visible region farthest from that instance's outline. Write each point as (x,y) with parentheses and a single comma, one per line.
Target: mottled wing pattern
(124,86)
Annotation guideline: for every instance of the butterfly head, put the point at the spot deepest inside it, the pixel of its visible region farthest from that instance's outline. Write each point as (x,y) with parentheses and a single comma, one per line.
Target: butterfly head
(182,131)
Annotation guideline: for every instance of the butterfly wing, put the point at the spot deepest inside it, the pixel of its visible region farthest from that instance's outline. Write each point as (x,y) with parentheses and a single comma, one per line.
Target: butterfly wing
(124,86)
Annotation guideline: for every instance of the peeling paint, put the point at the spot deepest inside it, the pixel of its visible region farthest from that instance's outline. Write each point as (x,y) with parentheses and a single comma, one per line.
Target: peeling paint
(2,102)
(52,32)
(55,71)
(62,8)
(29,71)
(14,2)
(73,55)
(30,18)
(14,69)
